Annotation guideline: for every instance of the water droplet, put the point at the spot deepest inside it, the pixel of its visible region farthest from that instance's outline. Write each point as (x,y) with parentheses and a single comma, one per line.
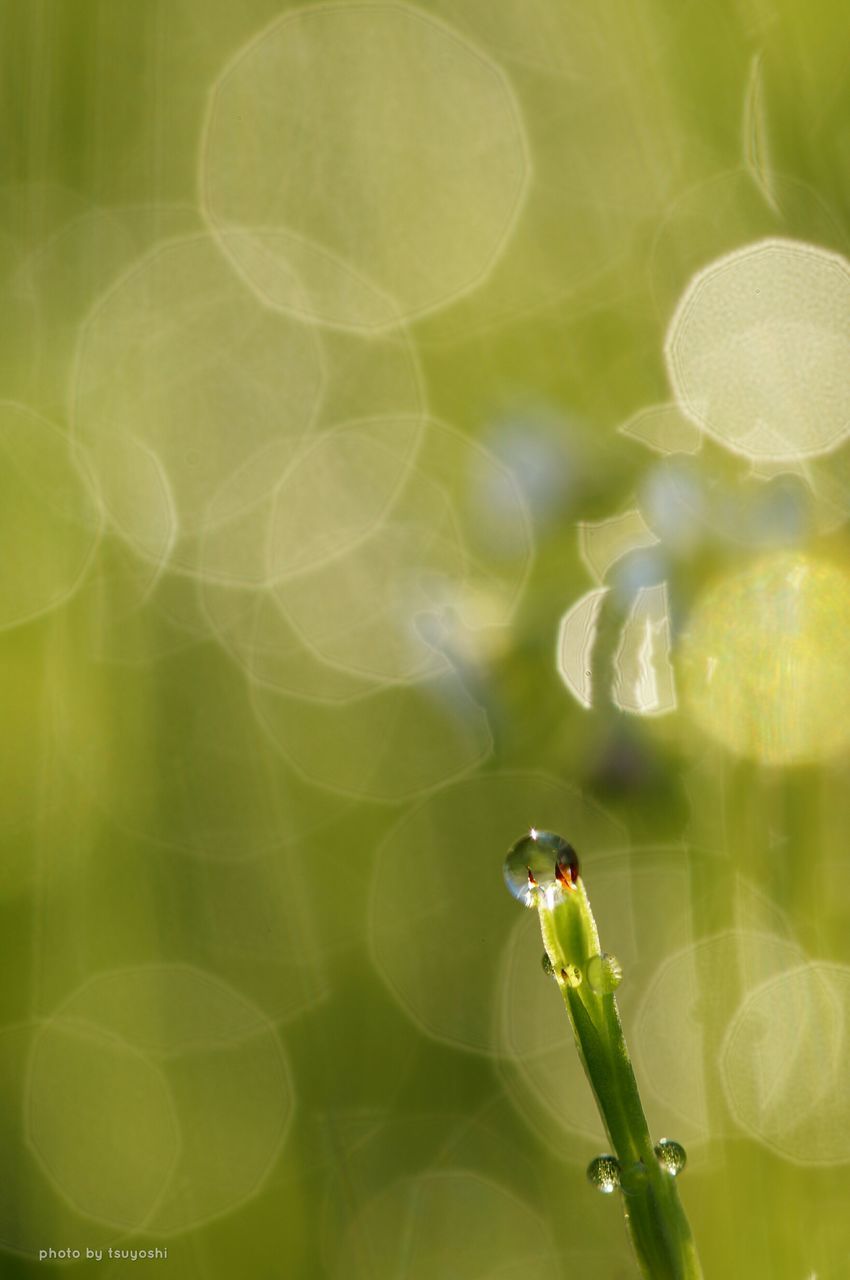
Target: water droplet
(604,973)
(604,1174)
(546,964)
(633,1179)
(537,861)
(671,1156)
(571,974)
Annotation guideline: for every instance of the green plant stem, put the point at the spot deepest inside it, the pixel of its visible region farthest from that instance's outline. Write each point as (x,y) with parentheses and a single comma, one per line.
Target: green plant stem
(656,1221)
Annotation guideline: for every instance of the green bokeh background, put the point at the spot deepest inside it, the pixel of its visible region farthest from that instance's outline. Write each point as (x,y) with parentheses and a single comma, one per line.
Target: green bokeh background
(354,1100)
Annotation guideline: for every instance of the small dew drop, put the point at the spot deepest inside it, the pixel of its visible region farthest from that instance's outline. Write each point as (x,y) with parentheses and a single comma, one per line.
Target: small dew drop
(546,964)
(604,1174)
(571,975)
(604,973)
(537,861)
(671,1156)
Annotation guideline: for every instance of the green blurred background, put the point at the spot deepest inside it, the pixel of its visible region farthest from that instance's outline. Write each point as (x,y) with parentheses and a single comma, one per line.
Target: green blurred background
(319,329)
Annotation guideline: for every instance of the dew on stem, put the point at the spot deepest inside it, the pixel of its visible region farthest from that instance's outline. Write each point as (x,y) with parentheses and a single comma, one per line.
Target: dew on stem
(542,872)
(671,1156)
(603,1173)
(540,861)
(604,973)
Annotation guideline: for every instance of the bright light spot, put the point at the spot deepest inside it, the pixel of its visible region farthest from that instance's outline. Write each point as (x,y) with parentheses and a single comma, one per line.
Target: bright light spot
(784,1065)
(682,1001)
(157,1095)
(758,350)
(576,638)
(754,134)
(644,682)
(765,661)
(362,163)
(664,429)
(603,542)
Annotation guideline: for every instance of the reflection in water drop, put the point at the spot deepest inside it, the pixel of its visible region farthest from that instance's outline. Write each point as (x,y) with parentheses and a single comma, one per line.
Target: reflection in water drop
(571,975)
(604,973)
(539,861)
(604,1174)
(671,1156)
(546,965)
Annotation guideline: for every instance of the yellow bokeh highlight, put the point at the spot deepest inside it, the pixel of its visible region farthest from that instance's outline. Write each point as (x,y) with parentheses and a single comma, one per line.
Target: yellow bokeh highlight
(765,660)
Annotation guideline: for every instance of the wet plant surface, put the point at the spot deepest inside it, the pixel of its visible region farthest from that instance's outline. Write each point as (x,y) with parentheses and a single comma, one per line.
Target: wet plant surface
(645,1174)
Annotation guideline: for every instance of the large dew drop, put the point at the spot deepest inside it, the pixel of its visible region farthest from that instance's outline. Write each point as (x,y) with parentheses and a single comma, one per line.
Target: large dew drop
(604,1173)
(604,974)
(671,1156)
(538,861)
